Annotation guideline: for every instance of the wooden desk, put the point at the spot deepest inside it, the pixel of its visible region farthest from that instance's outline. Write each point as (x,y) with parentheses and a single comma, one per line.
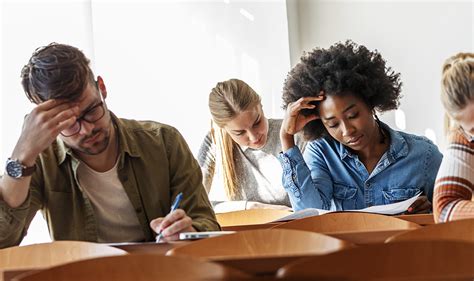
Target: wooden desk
(148,247)
(43,255)
(8,275)
(366,237)
(263,266)
(131,248)
(421,219)
(266,266)
(251,226)
(356,237)
(259,266)
(255,266)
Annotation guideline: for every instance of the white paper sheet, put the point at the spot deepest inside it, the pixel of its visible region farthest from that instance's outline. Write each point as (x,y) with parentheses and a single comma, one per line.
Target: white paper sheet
(303,214)
(389,209)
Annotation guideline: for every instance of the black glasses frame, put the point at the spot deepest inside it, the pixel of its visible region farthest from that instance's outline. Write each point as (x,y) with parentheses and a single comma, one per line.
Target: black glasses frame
(83,117)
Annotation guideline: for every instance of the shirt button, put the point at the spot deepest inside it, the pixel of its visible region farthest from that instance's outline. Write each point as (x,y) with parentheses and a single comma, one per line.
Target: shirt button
(124,178)
(138,209)
(367,184)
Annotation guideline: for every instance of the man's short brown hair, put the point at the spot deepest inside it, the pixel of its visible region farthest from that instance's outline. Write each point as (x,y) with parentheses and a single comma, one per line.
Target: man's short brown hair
(56,71)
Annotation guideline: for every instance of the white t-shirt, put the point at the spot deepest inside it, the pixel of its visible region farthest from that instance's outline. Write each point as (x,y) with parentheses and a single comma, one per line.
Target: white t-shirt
(115,215)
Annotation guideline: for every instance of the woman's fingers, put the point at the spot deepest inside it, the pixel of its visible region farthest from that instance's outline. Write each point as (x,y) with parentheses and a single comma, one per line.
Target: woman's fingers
(421,205)
(303,103)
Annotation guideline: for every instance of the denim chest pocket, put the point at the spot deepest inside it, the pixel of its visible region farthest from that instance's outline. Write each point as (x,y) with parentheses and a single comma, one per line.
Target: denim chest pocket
(345,196)
(397,194)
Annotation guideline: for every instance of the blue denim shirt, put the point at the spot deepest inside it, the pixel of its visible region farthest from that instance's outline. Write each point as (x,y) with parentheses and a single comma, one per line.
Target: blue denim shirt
(331,177)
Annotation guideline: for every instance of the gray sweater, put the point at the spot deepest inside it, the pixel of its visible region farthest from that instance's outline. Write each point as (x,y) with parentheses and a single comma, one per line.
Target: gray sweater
(258,170)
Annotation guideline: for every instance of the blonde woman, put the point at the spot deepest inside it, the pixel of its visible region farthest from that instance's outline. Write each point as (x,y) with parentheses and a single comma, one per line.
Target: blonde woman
(455,180)
(238,157)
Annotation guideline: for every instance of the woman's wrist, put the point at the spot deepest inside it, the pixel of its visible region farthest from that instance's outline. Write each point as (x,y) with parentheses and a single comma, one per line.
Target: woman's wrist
(287,141)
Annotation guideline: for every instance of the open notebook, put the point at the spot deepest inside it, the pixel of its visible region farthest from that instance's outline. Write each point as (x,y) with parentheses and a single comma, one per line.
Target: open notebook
(389,209)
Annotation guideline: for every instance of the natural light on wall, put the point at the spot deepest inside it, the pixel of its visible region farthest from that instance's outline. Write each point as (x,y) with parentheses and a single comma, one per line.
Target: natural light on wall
(430,134)
(400,119)
(168,56)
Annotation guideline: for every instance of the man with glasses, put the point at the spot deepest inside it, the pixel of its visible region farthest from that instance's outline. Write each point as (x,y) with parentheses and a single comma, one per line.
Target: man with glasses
(94,176)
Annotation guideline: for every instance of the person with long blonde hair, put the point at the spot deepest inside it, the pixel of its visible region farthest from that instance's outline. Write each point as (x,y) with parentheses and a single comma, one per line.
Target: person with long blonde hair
(238,157)
(455,181)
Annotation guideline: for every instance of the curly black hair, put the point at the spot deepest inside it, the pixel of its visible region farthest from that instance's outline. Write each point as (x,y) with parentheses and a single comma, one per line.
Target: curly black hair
(341,69)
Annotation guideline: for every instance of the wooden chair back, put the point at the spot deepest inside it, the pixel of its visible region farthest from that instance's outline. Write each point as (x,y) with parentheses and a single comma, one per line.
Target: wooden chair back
(251,216)
(136,267)
(413,259)
(348,221)
(261,243)
(51,254)
(461,230)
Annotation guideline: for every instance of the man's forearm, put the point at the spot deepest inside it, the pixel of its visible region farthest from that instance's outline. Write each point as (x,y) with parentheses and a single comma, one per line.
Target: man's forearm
(14,191)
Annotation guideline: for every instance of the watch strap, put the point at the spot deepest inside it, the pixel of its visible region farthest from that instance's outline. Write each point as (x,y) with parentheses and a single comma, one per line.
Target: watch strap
(28,171)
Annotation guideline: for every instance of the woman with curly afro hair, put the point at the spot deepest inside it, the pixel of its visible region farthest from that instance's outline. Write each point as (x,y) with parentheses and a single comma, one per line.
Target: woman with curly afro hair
(353,160)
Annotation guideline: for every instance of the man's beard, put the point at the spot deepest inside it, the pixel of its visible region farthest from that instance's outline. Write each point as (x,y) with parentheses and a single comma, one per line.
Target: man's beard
(98,147)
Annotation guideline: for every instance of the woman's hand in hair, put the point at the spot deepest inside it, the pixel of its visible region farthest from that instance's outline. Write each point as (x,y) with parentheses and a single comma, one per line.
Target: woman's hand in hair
(294,121)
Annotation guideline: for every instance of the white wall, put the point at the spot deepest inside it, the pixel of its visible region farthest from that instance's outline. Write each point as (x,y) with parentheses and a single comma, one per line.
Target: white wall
(413,36)
(161,59)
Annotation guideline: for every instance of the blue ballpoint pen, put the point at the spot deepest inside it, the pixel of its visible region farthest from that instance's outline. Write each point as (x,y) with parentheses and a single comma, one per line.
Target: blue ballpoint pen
(173,207)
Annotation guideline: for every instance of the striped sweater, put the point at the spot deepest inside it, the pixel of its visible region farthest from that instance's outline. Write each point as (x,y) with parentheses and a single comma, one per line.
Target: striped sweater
(454,185)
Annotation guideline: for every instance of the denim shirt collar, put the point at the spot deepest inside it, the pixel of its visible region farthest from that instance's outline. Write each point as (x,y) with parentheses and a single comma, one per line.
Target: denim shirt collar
(398,145)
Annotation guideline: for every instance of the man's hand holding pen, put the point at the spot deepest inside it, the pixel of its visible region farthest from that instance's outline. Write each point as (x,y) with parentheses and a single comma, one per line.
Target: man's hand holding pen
(169,227)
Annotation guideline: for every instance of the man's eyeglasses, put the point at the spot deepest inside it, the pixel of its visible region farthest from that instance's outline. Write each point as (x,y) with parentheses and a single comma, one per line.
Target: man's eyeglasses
(469,137)
(90,116)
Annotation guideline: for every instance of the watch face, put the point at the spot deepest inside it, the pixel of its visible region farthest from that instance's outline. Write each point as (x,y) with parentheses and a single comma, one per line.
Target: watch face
(14,168)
